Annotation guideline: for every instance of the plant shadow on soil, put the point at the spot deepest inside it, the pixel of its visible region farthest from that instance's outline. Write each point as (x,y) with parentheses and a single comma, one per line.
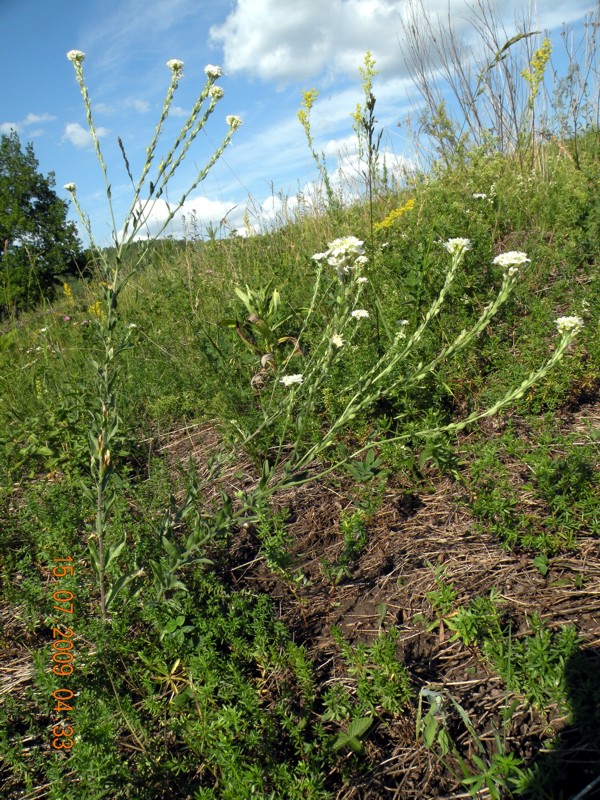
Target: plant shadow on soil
(571,771)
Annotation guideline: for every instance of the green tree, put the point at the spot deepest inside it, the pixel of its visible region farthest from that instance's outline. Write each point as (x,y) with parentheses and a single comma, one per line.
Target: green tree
(36,240)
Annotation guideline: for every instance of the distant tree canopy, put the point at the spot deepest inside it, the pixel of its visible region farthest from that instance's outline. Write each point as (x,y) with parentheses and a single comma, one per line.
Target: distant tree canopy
(37,242)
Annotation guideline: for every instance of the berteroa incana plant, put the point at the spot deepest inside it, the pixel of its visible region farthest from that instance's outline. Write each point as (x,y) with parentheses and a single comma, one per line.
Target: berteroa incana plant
(115,266)
(340,276)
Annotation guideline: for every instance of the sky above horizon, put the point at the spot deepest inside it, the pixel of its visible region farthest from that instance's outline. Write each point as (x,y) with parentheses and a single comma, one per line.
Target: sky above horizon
(269,50)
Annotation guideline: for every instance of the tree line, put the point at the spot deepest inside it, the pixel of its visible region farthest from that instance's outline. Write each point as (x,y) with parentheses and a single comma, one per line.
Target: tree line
(39,247)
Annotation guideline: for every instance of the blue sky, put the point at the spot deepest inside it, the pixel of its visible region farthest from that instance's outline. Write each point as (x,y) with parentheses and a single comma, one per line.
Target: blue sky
(270,50)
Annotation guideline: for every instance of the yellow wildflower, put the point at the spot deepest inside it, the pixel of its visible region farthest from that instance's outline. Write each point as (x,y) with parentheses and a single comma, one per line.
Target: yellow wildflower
(68,293)
(394,215)
(96,310)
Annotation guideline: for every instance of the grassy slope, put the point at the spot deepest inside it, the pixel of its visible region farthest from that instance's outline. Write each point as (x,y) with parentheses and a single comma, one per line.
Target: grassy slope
(335,602)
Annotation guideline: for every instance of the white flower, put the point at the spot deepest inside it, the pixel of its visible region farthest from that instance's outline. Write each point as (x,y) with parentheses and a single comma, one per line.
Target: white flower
(215,93)
(359,313)
(513,258)
(288,380)
(233,121)
(132,325)
(212,71)
(344,255)
(42,330)
(568,325)
(175,65)
(76,56)
(70,187)
(362,279)
(479,196)
(346,246)
(337,340)
(454,246)
(401,323)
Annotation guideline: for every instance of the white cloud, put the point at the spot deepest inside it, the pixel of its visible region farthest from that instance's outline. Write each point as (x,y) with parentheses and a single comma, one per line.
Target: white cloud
(79,136)
(30,119)
(35,119)
(347,145)
(194,217)
(178,111)
(286,40)
(141,106)
(103,108)
(283,40)
(279,152)
(278,208)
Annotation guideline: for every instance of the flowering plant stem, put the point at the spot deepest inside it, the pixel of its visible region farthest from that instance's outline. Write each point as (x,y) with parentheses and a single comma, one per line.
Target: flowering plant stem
(311,455)
(114,272)
(345,255)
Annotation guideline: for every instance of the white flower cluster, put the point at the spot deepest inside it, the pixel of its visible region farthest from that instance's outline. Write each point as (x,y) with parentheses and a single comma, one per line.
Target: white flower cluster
(344,254)
(76,56)
(233,122)
(360,313)
(213,72)
(514,258)
(511,261)
(337,340)
(456,246)
(215,93)
(479,196)
(568,325)
(70,187)
(175,65)
(288,380)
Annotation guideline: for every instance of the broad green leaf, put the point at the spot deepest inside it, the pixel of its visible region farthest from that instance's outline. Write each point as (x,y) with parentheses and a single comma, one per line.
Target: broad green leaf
(171,548)
(118,586)
(114,551)
(94,556)
(360,726)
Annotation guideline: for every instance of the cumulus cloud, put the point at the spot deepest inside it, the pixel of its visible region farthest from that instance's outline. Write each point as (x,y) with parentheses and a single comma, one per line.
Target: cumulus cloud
(286,40)
(79,136)
(30,119)
(194,218)
(35,119)
(283,40)
(225,216)
(278,208)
